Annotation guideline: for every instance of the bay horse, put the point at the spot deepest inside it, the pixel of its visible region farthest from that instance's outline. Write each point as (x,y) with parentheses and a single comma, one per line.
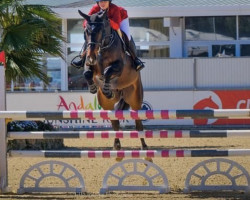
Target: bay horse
(109,71)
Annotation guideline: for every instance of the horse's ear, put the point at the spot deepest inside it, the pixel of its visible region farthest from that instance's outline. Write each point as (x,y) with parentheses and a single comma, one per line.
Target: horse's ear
(87,17)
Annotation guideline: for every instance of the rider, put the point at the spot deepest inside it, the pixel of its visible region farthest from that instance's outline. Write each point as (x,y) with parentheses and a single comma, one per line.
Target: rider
(119,21)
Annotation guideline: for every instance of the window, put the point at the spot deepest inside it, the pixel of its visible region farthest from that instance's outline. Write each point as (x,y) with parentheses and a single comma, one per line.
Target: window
(245,50)
(54,73)
(75,38)
(244,27)
(198,51)
(148,30)
(214,36)
(76,80)
(223,50)
(75,31)
(153,51)
(52,67)
(210,28)
(151,37)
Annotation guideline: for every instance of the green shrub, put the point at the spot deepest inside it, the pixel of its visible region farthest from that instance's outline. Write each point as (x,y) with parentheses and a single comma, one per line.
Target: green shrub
(33,144)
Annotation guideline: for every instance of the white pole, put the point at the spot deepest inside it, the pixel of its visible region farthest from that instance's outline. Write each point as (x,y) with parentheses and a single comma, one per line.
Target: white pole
(3,133)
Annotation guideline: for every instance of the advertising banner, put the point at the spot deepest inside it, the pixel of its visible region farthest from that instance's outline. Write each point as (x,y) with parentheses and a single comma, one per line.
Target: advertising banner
(153,100)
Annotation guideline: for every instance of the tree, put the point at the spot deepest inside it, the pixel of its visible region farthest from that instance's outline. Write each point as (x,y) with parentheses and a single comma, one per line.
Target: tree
(28,33)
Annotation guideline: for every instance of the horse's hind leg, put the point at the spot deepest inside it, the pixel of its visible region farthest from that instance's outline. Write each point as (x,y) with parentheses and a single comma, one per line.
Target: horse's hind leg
(120,105)
(117,143)
(116,127)
(139,127)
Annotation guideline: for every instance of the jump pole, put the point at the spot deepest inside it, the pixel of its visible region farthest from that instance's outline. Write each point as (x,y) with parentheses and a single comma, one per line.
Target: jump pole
(129,134)
(167,153)
(3,133)
(128,114)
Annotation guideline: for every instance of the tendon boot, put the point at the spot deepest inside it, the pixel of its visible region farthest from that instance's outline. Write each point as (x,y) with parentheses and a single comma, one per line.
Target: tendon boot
(88,75)
(138,64)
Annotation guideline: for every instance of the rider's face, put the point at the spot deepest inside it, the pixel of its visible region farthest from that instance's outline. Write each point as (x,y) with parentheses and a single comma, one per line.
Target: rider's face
(104,5)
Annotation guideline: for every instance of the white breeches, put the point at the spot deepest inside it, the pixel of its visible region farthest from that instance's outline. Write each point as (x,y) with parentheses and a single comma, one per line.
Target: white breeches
(124,26)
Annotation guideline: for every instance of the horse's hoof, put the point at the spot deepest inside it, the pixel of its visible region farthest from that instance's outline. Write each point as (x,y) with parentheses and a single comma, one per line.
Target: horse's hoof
(118,159)
(93,89)
(148,159)
(107,91)
(110,95)
(117,146)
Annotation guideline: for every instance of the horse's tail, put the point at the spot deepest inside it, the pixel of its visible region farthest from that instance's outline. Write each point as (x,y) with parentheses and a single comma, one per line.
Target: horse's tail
(121,105)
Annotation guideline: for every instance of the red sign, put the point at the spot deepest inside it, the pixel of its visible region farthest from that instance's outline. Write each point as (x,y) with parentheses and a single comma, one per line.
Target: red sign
(228,99)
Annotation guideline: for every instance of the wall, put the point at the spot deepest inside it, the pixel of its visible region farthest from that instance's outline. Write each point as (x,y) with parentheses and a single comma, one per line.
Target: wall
(196,74)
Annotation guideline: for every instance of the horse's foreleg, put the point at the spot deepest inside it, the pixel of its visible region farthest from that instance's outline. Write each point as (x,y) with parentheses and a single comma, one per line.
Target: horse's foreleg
(88,74)
(113,71)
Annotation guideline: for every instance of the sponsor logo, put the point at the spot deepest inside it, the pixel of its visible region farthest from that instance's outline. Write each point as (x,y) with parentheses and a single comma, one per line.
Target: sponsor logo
(207,101)
(80,105)
(146,106)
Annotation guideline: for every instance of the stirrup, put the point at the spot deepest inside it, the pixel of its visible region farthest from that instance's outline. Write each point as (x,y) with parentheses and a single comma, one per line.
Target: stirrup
(77,62)
(139,65)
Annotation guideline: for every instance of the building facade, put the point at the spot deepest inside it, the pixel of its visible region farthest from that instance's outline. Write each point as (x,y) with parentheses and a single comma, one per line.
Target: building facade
(196,54)
(162,30)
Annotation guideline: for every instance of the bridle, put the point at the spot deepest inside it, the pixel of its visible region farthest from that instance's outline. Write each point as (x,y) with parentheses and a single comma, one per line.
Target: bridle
(101,44)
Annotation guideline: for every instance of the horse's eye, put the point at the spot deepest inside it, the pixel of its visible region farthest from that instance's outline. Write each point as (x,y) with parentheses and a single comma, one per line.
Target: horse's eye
(89,28)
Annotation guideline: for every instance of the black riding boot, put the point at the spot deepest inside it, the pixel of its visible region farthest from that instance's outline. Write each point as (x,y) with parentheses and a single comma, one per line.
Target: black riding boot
(81,62)
(138,64)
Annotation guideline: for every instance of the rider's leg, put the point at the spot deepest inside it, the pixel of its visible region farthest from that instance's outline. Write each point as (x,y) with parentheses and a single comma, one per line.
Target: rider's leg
(138,64)
(81,62)
(132,50)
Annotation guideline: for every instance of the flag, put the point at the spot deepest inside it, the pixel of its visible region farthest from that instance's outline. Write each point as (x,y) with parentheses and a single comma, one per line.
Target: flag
(2,58)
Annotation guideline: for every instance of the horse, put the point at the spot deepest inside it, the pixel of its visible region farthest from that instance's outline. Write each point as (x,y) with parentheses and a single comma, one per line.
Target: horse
(109,71)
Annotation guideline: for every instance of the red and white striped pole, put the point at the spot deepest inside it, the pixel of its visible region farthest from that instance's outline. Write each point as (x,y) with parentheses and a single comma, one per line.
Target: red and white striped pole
(3,133)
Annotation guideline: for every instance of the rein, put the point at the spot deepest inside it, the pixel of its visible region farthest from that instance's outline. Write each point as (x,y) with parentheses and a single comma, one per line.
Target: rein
(111,41)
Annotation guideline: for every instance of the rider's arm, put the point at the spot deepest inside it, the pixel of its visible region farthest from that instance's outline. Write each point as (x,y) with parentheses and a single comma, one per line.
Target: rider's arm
(116,14)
